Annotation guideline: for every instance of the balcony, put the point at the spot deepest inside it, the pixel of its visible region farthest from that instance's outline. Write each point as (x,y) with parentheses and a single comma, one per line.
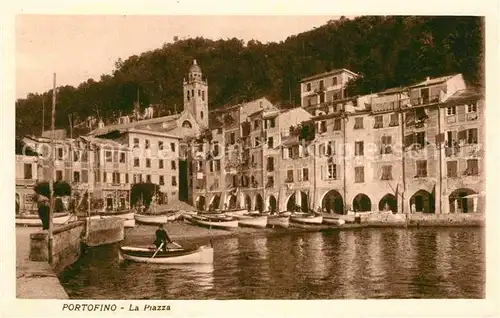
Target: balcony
(472,116)
(424,100)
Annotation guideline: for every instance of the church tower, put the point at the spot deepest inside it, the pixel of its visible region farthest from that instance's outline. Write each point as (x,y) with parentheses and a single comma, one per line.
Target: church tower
(196,94)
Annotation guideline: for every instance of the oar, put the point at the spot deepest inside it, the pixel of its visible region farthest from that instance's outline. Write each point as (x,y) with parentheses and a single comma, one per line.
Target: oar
(159,248)
(176,244)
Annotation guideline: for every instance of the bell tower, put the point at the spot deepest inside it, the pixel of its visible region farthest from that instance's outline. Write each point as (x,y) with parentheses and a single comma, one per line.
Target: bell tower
(196,94)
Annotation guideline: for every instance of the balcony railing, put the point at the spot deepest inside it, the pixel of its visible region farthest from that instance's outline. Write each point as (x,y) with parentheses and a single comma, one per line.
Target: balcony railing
(424,100)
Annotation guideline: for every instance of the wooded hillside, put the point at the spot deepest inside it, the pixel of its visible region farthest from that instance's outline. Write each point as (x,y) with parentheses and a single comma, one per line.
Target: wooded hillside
(387,51)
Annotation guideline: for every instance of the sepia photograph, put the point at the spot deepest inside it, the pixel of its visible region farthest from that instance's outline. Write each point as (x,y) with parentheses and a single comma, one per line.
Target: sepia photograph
(250,157)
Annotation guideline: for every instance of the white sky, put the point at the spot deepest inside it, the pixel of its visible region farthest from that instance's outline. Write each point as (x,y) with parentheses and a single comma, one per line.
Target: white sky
(81,47)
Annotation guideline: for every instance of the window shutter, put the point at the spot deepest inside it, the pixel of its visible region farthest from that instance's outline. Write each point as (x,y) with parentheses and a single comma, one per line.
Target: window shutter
(300,151)
(337,171)
(322,172)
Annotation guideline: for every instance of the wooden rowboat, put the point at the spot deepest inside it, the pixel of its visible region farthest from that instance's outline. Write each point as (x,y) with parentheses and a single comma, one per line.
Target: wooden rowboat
(156,219)
(252,221)
(34,219)
(278,220)
(236,212)
(225,223)
(200,255)
(306,219)
(333,221)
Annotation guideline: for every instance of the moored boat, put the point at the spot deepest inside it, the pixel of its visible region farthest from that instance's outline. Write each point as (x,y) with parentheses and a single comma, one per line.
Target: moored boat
(34,219)
(234,212)
(306,218)
(200,255)
(278,220)
(333,221)
(253,221)
(155,219)
(225,223)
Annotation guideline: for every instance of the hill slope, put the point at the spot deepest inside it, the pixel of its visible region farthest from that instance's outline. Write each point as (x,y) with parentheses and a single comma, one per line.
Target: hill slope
(387,51)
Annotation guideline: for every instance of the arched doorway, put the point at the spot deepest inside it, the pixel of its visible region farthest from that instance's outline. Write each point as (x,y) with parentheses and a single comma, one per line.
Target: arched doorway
(248,203)
(293,205)
(361,203)
(200,203)
(273,205)
(232,202)
(388,202)
(332,202)
(463,200)
(214,205)
(422,201)
(259,203)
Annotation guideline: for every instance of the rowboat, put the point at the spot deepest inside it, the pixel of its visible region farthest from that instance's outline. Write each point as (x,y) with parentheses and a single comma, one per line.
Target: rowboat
(156,218)
(306,219)
(333,221)
(34,219)
(286,213)
(127,216)
(199,255)
(235,212)
(278,220)
(225,223)
(252,221)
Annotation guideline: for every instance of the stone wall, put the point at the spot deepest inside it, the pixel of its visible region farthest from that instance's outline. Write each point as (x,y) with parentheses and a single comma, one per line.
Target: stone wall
(68,239)
(105,231)
(66,246)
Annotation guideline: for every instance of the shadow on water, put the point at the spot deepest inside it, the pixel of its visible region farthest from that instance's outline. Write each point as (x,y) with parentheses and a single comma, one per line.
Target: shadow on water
(364,263)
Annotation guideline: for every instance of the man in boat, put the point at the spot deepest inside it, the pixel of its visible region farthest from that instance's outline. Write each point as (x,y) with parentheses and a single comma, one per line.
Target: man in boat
(162,237)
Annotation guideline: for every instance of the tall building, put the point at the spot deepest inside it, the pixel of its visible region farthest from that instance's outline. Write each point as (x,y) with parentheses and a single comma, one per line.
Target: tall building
(196,94)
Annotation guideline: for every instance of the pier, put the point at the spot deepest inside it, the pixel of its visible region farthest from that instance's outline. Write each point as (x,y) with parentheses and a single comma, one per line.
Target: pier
(36,278)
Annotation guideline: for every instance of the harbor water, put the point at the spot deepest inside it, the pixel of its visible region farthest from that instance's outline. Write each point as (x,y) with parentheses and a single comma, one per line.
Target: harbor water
(353,264)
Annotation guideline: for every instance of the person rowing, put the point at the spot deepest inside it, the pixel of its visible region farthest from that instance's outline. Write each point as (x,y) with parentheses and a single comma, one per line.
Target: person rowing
(162,238)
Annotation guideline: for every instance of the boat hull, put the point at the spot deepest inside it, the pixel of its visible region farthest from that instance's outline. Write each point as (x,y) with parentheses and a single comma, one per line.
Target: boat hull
(212,223)
(332,221)
(201,255)
(155,219)
(253,221)
(280,221)
(240,212)
(34,220)
(306,219)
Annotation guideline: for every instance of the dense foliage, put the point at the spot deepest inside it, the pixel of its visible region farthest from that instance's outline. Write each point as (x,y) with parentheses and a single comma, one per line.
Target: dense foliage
(61,189)
(387,51)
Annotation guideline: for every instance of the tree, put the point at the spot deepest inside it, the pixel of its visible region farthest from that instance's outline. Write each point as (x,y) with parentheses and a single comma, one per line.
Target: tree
(143,192)
(388,51)
(61,189)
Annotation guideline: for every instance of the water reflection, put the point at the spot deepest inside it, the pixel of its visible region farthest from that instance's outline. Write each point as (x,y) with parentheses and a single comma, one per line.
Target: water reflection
(368,263)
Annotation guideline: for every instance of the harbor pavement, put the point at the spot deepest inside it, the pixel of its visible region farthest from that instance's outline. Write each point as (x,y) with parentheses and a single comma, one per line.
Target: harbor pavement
(34,280)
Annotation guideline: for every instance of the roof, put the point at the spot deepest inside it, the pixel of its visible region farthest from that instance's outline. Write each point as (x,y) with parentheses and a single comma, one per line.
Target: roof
(325,74)
(465,95)
(102,141)
(393,90)
(109,128)
(433,81)
(195,68)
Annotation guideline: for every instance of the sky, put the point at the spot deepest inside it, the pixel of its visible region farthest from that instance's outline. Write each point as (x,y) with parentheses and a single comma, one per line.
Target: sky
(77,48)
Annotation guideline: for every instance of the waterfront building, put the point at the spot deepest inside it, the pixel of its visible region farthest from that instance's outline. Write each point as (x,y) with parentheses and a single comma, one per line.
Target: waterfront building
(399,150)
(26,177)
